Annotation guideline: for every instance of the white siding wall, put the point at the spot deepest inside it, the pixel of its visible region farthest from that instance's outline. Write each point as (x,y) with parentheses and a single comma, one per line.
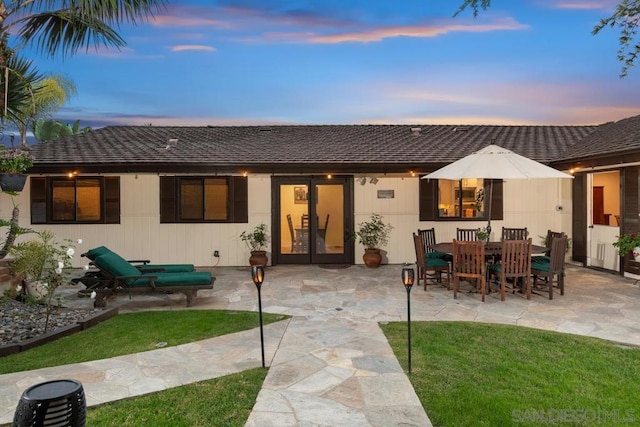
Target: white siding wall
(527,203)
(140,235)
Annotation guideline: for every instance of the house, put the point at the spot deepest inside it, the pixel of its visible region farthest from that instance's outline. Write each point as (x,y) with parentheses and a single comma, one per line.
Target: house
(178,194)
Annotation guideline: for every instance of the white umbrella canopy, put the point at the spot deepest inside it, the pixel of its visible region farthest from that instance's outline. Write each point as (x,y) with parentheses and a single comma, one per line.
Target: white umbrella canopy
(495,162)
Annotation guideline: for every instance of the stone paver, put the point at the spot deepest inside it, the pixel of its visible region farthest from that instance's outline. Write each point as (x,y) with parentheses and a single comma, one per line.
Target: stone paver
(330,363)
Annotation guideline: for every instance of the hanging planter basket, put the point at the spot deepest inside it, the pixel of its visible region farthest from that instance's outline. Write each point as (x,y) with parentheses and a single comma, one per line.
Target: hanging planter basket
(12,181)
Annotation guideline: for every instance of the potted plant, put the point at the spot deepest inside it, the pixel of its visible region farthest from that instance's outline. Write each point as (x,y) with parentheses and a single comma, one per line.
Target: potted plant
(628,243)
(13,164)
(256,239)
(482,234)
(372,235)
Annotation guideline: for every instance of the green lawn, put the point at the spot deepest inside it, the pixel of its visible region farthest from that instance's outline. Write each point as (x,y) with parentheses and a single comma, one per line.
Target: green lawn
(133,333)
(225,401)
(497,375)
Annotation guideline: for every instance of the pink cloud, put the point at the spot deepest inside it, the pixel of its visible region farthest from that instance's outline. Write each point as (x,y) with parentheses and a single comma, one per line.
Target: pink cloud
(185,47)
(583,4)
(186,21)
(420,31)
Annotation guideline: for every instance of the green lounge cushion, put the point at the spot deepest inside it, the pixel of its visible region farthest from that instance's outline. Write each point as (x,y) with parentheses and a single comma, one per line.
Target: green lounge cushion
(94,253)
(194,278)
(166,268)
(436,262)
(116,265)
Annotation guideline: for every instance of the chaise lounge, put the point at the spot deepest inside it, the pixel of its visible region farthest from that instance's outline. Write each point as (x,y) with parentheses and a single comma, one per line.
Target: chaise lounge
(121,276)
(94,279)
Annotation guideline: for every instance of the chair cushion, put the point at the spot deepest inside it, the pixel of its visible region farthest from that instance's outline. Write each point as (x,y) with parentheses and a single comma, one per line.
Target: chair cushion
(540,259)
(115,265)
(436,262)
(437,254)
(94,253)
(194,278)
(540,266)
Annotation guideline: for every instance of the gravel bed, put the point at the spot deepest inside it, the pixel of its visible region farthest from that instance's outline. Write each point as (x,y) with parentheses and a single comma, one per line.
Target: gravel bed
(19,322)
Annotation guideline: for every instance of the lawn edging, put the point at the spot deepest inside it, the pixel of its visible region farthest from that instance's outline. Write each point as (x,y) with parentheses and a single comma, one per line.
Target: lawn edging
(55,334)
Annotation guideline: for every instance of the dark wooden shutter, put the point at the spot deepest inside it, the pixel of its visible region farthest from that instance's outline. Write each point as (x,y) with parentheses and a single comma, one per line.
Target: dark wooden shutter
(579,226)
(112,200)
(240,194)
(428,199)
(38,191)
(497,211)
(630,203)
(168,199)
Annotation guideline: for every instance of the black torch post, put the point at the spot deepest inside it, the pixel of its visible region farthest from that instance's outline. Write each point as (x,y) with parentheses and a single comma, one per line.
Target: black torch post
(257,274)
(407,280)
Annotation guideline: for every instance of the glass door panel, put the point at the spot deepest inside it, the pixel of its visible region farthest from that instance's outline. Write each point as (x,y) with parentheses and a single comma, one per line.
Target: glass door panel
(329,227)
(294,219)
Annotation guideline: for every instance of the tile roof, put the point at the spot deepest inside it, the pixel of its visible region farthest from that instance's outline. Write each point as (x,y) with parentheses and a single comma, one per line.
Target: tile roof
(266,147)
(617,138)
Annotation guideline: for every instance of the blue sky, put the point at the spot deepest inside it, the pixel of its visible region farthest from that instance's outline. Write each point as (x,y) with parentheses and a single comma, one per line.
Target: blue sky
(356,62)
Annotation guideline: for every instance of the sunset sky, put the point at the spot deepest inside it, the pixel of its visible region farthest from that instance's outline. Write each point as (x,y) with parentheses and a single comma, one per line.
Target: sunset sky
(356,62)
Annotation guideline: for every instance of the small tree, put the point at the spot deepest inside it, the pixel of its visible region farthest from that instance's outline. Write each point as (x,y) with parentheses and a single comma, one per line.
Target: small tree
(256,239)
(45,261)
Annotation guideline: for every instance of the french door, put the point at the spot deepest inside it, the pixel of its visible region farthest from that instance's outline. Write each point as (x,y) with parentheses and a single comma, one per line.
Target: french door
(313,220)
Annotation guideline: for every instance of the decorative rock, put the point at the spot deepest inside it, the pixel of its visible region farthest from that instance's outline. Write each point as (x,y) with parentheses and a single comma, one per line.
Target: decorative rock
(20,322)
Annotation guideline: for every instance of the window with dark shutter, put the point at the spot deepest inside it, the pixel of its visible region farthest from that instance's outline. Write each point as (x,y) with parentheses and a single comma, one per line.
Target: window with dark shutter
(78,200)
(203,199)
(459,200)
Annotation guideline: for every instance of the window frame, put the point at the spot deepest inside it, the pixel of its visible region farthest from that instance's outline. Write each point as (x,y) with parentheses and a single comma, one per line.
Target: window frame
(171,199)
(429,201)
(42,200)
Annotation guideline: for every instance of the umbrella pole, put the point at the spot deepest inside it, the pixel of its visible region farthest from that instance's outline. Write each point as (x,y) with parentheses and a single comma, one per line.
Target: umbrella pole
(489,209)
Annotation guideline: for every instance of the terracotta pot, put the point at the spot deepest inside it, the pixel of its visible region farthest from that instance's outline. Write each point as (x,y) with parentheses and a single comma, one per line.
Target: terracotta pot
(12,181)
(259,258)
(372,257)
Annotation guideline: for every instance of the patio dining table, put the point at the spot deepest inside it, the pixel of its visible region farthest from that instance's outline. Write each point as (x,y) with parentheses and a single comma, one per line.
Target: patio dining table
(491,249)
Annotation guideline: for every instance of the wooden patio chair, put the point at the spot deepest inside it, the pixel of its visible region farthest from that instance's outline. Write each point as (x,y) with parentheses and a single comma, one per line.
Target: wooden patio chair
(469,263)
(514,233)
(514,266)
(467,234)
(429,268)
(553,270)
(547,242)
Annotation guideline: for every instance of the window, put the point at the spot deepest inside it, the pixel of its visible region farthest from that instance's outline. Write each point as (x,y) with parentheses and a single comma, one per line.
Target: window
(203,199)
(460,200)
(62,200)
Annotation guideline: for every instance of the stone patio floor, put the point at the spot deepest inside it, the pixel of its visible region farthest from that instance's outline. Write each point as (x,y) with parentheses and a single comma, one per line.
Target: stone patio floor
(330,363)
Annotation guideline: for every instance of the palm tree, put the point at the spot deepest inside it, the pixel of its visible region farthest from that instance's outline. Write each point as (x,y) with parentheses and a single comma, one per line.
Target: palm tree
(63,27)
(47,130)
(49,94)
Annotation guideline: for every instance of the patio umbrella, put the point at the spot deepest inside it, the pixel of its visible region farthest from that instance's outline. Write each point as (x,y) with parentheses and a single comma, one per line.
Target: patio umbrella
(494,162)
